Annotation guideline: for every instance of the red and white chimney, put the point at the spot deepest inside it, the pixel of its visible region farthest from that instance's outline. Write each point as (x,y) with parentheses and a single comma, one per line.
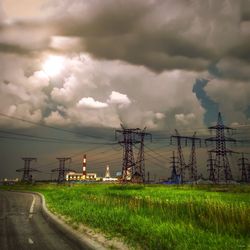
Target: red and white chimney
(84,164)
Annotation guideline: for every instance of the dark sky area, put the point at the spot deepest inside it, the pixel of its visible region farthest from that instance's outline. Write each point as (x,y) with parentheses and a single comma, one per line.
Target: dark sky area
(71,71)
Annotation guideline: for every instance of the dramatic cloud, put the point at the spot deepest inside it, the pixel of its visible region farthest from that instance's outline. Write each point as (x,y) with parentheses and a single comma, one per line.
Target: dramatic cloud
(92,65)
(158,34)
(134,62)
(92,92)
(21,92)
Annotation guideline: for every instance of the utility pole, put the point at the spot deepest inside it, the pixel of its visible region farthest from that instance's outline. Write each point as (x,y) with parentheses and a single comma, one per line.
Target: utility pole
(245,168)
(221,167)
(62,170)
(132,171)
(192,165)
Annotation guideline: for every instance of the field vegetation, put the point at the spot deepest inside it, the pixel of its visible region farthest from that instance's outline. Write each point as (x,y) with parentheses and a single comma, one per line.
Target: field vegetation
(157,217)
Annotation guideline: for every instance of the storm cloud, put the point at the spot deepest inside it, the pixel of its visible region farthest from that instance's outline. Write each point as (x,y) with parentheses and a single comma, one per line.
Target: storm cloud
(149,51)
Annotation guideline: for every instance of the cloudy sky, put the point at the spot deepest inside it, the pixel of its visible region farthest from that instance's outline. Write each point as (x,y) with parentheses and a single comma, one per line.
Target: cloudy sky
(86,66)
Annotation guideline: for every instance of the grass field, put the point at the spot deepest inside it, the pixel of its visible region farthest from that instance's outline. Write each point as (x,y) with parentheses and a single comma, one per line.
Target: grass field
(158,217)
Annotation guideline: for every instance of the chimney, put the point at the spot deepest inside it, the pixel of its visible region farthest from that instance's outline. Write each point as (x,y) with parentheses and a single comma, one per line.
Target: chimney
(107,174)
(84,164)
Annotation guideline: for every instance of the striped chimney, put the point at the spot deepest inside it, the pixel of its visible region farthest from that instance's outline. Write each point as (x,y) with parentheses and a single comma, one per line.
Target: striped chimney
(84,164)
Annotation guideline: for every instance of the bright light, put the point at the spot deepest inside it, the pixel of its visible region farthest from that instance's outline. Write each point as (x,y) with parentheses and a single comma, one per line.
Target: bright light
(53,65)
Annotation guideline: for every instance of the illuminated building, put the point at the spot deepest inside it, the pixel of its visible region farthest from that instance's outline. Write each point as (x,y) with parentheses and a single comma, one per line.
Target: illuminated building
(84,176)
(108,177)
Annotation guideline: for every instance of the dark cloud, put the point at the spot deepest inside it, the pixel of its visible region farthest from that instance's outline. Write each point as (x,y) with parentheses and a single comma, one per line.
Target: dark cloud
(157,34)
(9,48)
(245,10)
(118,32)
(145,57)
(242,51)
(156,51)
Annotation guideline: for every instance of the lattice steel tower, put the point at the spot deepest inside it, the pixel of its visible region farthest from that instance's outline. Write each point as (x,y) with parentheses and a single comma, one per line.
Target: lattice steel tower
(222,171)
(139,169)
(182,165)
(131,170)
(174,166)
(27,177)
(244,168)
(210,167)
(192,165)
(62,170)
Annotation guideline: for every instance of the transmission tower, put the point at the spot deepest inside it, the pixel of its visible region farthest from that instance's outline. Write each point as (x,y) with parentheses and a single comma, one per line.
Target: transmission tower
(62,170)
(210,166)
(139,169)
(222,171)
(245,168)
(174,167)
(192,165)
(131,170)
(181,167)
(27,177)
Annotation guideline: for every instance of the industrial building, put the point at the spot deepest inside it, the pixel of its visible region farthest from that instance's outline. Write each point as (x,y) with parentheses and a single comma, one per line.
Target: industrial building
(107,177)
(83,176)
(73,176)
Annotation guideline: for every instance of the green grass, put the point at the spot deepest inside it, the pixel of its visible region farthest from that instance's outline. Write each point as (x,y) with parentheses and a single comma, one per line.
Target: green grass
(158,217)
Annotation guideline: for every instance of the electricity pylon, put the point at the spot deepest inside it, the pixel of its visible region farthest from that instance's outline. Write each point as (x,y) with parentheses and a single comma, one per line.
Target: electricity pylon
(222,170)
(27,177)
(132,171)
(62,170)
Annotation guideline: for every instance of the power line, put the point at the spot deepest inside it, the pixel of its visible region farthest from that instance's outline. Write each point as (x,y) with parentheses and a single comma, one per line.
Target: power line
(153,151)
(49,126)
(50,139)
(73,155)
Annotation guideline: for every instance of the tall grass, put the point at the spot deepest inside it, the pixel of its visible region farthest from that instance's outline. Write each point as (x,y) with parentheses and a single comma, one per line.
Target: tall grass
(159,217)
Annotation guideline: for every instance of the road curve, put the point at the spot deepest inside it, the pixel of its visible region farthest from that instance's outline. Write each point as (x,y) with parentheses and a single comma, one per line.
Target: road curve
(22,225)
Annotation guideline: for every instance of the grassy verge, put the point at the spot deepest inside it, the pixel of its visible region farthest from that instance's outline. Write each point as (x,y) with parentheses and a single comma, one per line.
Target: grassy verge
(158,217)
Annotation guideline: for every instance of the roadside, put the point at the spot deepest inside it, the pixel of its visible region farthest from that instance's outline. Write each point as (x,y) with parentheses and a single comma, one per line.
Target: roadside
(84,236)
(94,239)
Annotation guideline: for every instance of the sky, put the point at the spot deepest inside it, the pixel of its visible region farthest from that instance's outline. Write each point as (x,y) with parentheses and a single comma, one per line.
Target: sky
(84,67)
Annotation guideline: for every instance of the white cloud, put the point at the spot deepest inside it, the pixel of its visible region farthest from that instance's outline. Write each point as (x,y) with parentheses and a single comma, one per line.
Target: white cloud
(121,100)
(89,102)
(21,90)
(108,87)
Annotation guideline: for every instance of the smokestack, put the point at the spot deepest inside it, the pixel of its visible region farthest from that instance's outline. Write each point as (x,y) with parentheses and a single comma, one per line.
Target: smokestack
(107,174)
(84,164)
